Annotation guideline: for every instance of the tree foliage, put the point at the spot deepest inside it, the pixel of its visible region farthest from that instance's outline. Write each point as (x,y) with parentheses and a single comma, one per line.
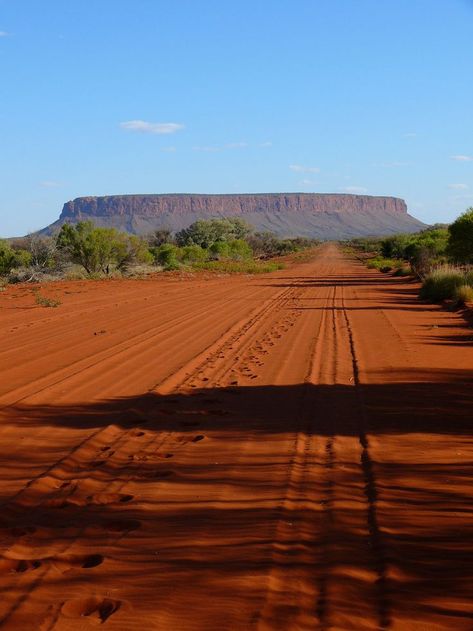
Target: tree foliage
(11,258)
(98,249)
(460,238)
(206,232)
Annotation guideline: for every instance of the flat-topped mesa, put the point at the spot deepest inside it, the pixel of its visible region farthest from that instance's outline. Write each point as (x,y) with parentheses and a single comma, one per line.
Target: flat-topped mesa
(326,216)
(225,205)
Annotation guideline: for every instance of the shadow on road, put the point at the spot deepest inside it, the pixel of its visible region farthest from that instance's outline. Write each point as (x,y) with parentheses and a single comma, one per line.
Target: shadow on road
(419,496)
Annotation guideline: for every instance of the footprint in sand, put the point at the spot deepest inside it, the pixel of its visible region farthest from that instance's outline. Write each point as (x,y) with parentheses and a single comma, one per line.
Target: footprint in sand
(98,463)
(95,608)
(102,499)
(18,566)
(98,499)
(69,562)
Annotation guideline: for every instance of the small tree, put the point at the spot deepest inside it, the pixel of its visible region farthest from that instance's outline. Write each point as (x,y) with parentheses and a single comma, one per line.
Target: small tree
(239,250)
(206,232)
(160,237)
(87,245)
(8,259)
(192,254)
(167,256)
(129,249)
(97,249)
(43,251)
(219,250)
(460,239)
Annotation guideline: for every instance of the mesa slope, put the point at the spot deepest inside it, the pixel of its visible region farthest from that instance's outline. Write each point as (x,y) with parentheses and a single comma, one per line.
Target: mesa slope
(289,451)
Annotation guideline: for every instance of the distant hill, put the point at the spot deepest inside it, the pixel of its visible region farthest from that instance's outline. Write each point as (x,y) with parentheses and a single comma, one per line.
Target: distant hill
(323,216)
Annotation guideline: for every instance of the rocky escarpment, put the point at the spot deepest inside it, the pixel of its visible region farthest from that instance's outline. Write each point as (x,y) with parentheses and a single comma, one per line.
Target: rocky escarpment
(326,216)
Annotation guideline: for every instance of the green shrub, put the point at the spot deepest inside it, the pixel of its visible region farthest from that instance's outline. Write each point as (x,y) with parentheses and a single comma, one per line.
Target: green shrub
(236,249)
(167,256)
(441,283)
(192,254)
(394,247)
(462,295)
(239,250)
(219,250)
(403,271)
(460,240)
(205,232)
(373,263)
(99,250)
(42,301)
(10,258)
(239,267)
(381,264)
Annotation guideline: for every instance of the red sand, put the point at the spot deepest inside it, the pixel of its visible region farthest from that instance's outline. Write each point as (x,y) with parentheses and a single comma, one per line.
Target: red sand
(287,451)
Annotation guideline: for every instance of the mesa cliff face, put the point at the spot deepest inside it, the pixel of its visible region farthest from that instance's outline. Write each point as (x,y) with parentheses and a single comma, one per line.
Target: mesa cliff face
(326,216)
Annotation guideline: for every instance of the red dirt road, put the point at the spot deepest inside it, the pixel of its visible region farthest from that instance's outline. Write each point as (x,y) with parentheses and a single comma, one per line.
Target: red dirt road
(291,451)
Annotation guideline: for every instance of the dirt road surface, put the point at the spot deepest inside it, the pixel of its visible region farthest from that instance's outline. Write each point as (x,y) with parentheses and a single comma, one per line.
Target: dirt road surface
(289,451)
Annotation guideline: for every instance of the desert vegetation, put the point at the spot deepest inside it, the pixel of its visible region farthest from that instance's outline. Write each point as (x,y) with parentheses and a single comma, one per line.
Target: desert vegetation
(84,250)
(441,257)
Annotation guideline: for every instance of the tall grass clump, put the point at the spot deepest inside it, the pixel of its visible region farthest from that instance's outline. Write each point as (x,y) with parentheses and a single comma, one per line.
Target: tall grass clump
(463,295)
(441,283)
(469,278)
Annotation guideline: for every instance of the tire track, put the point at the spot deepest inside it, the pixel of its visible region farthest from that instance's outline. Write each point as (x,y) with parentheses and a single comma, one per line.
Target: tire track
(366,463)
(66,471)
(285,550)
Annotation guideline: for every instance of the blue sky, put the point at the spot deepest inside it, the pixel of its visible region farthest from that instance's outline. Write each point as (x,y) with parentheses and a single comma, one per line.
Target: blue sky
(102,97)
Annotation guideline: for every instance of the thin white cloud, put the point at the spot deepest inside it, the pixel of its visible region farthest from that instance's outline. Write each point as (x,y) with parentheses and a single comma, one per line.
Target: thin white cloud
(4,34)
(268,143)
(146,127)
(306,182)
(169,149)
(355,190)
(458,187)
(299,168)
(236,145)
(391,165)
(410,134)
(463,198)
(207,148)
(50,184)
(214,148)
(462,158)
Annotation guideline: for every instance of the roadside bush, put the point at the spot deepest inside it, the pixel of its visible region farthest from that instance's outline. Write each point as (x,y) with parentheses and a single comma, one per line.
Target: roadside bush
(266,244)
(160,237)
(460,239)
(192,254)
(365,244)
(219,250)
(98,250)
(469,278)
(441,283)
(383,265)
(129,250)
(167,256)
(403,271)
(206,232)
(10,258)
(42,251)
(394,247)
(462,295)
(239,267)
(239,250)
